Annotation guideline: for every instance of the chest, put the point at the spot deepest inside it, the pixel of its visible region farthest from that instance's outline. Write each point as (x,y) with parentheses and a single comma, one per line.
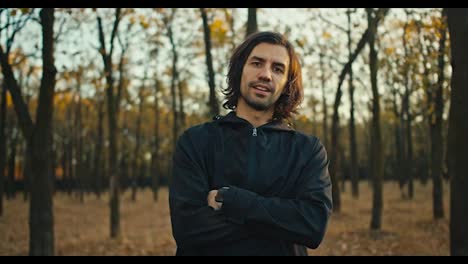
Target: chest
(260,161)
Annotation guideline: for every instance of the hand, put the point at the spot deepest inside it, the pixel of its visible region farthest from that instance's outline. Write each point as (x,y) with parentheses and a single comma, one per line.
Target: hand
(212,202)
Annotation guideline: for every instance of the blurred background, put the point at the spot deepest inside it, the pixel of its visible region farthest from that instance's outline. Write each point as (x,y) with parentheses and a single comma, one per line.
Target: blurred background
(93,101)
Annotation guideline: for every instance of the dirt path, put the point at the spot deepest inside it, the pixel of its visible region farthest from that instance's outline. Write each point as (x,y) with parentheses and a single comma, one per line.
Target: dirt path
(83,229)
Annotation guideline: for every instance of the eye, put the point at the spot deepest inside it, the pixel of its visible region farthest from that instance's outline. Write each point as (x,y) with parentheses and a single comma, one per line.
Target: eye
(278,70)
(256,63)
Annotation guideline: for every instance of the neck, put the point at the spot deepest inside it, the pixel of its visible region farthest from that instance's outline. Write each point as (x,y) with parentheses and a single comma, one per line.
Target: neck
(255,117)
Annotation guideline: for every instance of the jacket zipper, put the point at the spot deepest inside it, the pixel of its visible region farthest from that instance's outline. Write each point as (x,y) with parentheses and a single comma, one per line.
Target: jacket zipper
(252,163)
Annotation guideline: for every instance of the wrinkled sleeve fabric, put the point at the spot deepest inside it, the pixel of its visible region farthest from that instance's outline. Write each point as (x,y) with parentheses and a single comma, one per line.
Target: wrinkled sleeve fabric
(302,220)
(194,223)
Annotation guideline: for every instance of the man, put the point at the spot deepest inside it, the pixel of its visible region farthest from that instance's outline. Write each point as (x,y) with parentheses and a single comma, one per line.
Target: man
(247,183)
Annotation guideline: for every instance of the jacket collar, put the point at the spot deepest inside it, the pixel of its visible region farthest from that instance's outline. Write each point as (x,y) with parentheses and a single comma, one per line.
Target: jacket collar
(274,125)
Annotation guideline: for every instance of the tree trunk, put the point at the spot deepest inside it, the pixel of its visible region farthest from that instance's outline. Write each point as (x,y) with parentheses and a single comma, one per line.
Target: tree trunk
(181,85)
(405,115)
(112,125)
(175,126)
(80,176)
(213,101)
(3,150)
(334,142)
(458,129)
(436,130)
(154,156)
(41,220)
(27,173)
(343,168)
(53,167)
(409,141)
(39,141)
(229,16)
(408,126)
(408,132)
(376,137)
(113,172)
(64,164)
(252,25)
(314,118)
(70,167)
(97,162)
(137,161)
(324,102)
(352,129)
(334,157)
(11,190)
(399,144)
(21,109)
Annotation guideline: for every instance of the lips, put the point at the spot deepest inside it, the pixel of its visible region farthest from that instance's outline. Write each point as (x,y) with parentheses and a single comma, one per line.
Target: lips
(261,91)
(261,88)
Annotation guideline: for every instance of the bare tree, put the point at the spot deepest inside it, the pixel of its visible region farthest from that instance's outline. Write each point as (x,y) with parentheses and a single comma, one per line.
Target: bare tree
(137,157)
(458,129)
(252,25)
(335,121)
(97,162)
(436,127)
(352,128)
(409,119)
(155,164)
(376,134)
(11,191)
(213,101)
(112,122)
(39,139)
(323,79)
(168,21)
(3,152)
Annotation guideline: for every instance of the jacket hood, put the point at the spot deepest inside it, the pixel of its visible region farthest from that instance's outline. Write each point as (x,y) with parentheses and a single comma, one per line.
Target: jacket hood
(274,124)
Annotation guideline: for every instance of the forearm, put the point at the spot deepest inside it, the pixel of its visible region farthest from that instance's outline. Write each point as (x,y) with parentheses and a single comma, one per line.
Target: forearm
(302,220)
(204,226)
(194,223)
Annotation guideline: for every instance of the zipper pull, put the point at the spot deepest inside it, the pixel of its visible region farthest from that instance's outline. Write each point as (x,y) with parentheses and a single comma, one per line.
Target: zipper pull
(254,133)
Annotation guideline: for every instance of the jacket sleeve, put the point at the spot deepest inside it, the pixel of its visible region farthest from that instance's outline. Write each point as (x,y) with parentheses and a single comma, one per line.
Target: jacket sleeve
(194,223)
(302,220)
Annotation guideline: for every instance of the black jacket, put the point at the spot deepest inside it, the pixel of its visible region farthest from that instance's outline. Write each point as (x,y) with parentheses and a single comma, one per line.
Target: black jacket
(279,196)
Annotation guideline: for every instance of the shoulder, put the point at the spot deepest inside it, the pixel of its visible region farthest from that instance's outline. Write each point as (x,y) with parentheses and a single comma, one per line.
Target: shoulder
(199,133)
(307,140)
(309,143)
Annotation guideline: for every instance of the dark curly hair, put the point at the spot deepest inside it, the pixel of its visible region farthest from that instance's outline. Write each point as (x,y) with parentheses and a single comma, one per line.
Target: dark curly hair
(289,101)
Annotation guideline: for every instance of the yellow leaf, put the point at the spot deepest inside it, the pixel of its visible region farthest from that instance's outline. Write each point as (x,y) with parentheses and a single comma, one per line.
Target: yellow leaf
(218,31)
(389,51)
(144,24)
(431,109)
(9,100)
(24,10)
(326,35)
(301,42)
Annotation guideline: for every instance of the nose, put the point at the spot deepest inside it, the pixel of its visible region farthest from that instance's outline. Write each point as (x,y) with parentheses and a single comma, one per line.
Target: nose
(265,74)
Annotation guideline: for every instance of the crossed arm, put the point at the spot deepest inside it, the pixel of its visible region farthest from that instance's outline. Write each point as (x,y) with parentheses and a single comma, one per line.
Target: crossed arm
(197,219)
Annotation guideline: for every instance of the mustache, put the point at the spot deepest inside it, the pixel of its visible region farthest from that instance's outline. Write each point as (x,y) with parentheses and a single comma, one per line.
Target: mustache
(261,83)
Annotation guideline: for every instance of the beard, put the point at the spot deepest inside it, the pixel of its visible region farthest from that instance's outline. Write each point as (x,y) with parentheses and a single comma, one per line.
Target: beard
(259,105)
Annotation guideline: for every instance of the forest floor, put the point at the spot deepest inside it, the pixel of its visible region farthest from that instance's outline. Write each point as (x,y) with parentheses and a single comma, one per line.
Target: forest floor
(408,227)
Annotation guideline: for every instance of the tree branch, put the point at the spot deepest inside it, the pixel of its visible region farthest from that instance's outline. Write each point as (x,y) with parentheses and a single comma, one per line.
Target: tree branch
(21,108)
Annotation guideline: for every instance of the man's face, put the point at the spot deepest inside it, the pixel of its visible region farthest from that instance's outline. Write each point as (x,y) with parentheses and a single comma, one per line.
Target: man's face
(264,76)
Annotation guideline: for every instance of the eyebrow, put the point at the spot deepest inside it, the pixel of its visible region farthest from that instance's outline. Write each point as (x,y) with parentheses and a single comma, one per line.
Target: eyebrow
(275,63)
